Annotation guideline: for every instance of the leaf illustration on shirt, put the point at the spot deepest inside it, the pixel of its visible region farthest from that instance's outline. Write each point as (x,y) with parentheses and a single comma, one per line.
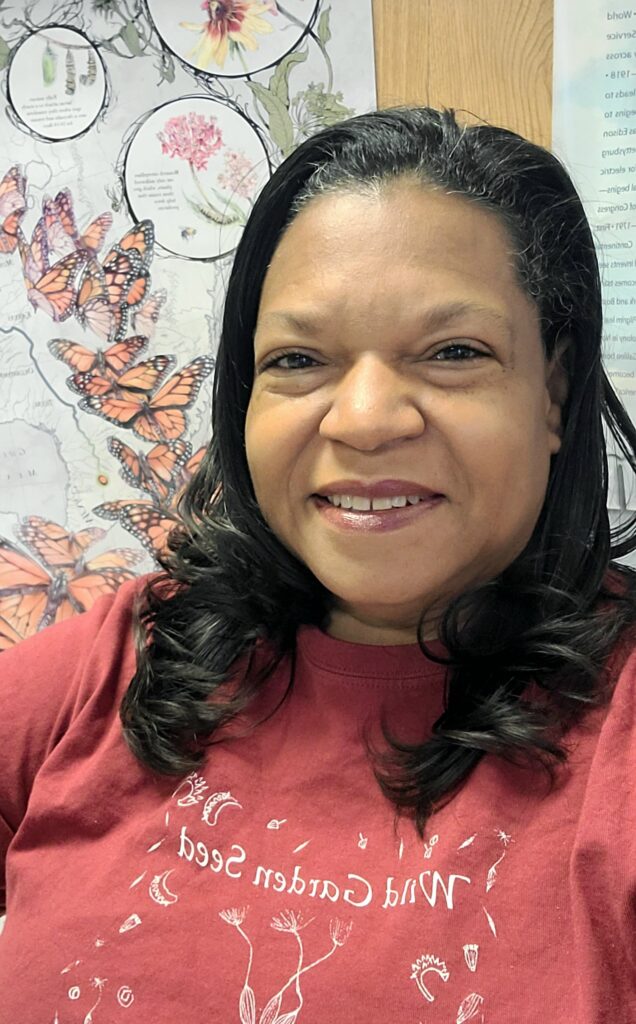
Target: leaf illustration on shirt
(491,923)
(492,873)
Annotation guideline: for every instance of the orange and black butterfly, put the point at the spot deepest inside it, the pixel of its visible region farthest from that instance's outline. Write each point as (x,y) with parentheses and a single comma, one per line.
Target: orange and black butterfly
(153,471)
(143,377)
(110,362)
(125,268)
(148,523)
(92,307)
(158,417)
(62,583)
(52,290)
(61,228)
(12,207)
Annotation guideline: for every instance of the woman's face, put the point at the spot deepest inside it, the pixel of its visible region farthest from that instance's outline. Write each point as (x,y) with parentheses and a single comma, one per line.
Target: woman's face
(393,343)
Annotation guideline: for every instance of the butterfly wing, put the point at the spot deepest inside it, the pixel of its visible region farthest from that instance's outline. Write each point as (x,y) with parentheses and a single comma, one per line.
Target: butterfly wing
(116,558)
(55,292)
(56,546)
(137,243)
(146,316)
(149,524)
(122,353)
(93,237)
(76,356)
(18,570)
(12,207)
(8,635)
(145,376)
(86,588)
(24,611)
(93,309)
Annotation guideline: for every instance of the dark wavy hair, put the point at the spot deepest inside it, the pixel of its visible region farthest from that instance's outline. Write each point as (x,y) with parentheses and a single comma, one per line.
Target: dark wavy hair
(230,590)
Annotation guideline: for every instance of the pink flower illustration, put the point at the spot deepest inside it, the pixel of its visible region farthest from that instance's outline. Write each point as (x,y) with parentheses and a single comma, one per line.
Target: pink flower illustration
(238,175)
(191,137)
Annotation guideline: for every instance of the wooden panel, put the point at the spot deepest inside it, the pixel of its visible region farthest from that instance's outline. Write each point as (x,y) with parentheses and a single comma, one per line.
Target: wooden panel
(489,58)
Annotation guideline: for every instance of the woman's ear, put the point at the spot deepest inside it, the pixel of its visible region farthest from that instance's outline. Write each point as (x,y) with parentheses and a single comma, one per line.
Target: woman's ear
(557,386)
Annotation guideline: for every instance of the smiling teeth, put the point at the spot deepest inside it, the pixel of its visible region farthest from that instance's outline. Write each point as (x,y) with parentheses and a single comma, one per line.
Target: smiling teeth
(366,504)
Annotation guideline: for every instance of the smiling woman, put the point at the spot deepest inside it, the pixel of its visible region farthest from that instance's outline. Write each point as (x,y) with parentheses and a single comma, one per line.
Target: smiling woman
(393,611)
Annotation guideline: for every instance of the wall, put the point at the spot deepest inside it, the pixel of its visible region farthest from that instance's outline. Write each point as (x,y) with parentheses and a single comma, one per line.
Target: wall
(490,57)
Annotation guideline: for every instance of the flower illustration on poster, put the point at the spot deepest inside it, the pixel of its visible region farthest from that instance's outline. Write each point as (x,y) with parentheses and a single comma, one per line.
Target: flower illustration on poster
(195,166)
(231,38)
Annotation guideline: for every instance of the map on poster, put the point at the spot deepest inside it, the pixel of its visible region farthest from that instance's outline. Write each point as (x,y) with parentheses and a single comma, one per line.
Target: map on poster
(594,133)
(135,137)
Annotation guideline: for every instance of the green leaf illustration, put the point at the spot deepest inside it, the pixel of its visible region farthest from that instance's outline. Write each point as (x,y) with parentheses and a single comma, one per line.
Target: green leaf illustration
(279,122)
(279,82)
(130,36)
(323,31)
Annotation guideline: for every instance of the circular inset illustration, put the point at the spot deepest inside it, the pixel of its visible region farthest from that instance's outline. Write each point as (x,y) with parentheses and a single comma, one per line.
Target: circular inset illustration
(194,167)
(57,83)
(231,38)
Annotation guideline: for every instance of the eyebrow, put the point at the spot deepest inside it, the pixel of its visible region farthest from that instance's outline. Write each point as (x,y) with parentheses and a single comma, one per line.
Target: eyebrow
(441,315)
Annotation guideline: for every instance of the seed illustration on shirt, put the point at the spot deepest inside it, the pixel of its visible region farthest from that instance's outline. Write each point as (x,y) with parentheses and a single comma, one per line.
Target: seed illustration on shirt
(468,842)
(131,922)
(291,922)
(425,964)
(159,892)
(470,1008)
(275,823)
(137,880)
(195,786)
(215,804)
(471,952)
(362,841)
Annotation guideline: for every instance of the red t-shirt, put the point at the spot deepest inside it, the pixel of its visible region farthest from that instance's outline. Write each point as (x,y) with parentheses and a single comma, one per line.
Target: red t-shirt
(272,886)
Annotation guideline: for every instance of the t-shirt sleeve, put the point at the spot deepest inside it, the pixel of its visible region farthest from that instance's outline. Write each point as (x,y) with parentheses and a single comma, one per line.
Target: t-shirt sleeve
(45,681)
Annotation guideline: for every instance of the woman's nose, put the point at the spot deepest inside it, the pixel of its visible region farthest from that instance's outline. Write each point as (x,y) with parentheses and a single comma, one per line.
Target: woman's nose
(372,405)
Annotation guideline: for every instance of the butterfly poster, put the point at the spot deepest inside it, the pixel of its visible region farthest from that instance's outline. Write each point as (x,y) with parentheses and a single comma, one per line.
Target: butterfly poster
(134,146)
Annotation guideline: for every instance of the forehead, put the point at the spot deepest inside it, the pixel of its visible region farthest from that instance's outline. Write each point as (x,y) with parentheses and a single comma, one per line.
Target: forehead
(378,251)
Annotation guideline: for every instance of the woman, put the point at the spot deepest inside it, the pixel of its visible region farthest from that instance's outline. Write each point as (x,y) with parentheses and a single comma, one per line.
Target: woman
(392,606)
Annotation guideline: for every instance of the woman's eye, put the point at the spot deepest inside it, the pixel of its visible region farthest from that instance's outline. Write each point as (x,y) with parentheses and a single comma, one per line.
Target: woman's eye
(277,361)
(458,348)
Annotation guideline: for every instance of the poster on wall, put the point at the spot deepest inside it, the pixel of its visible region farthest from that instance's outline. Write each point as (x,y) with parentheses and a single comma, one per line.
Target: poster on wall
(594,134)
(135,137)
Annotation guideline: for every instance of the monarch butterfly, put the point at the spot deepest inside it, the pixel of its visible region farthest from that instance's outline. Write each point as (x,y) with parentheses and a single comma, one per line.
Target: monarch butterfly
(93,307)
(148,523)
(12,207)
(137,244)
(52,290)
(33,595)
(61,227)
(111,361)
(151,471)
(160,417)
(146,316)
(139,378)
